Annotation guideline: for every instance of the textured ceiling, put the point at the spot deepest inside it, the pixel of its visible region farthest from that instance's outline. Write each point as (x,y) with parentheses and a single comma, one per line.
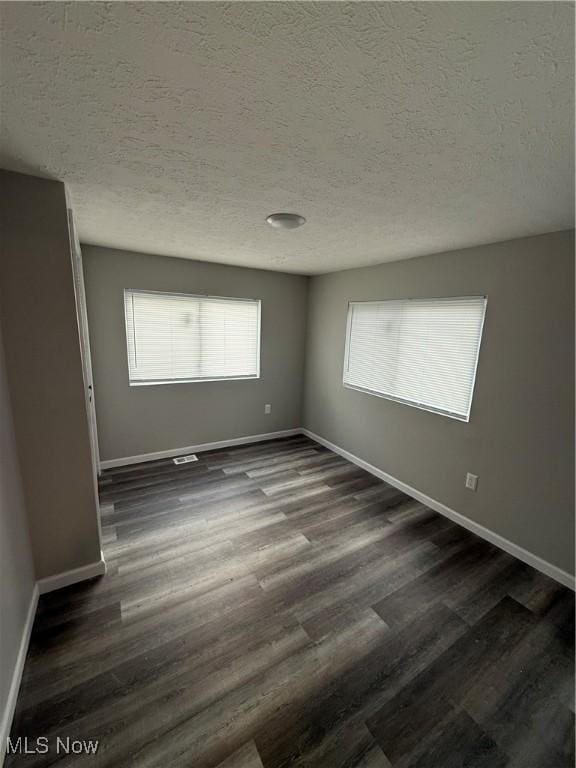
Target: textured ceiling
(397,129)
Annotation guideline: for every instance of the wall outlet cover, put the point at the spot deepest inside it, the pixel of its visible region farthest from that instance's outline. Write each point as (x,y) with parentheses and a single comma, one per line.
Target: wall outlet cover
(471,481)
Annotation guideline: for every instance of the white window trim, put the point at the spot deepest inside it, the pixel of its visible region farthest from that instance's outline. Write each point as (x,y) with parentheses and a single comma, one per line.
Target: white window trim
(412,403)
(164,382)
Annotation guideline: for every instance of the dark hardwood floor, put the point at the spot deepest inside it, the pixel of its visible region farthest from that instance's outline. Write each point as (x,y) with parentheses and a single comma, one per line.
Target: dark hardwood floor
(273,605)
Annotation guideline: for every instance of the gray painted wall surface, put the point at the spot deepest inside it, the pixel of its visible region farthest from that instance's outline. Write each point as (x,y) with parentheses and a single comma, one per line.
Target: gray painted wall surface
(16,569)
(520,436)
(44,369)
(145,419)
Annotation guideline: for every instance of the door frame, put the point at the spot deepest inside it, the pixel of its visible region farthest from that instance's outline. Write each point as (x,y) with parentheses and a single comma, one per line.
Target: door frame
(84,333)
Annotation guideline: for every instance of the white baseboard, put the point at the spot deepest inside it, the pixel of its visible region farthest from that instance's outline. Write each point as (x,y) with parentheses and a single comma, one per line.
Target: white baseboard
(197,448)
(8,714)
(67,578)
(563,577)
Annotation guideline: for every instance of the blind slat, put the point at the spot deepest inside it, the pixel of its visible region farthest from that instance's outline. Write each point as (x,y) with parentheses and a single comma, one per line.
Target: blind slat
(176,337)
(421,352)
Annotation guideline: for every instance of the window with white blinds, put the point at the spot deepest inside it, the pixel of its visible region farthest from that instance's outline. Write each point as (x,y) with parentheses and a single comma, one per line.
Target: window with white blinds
(173,337)
(422,352)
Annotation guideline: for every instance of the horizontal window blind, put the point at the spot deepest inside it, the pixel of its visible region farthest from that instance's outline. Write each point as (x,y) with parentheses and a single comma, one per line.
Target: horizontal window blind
(175,337)
(421,352)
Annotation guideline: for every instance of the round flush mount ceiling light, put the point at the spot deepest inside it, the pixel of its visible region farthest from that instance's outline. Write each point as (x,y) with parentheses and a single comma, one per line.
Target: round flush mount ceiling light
(285,220)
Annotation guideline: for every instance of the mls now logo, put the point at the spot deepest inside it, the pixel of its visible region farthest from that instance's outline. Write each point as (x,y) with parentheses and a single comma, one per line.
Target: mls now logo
(26,746)
(41,746)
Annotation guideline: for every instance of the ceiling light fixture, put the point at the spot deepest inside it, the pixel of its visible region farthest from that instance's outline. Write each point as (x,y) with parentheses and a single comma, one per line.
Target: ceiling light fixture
(285,220)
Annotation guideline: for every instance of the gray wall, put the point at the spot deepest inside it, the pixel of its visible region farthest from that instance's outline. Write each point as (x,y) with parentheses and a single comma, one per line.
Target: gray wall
(145,419)
(520,436)
(44,369)
(16,570)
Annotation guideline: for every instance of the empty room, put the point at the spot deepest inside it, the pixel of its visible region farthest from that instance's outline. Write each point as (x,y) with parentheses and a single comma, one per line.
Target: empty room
(287,384)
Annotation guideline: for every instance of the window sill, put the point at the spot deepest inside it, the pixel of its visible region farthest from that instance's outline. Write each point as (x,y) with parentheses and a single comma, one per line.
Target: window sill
(190,381)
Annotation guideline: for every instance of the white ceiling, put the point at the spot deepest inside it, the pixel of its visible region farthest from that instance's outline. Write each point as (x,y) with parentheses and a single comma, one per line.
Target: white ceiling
(397,129)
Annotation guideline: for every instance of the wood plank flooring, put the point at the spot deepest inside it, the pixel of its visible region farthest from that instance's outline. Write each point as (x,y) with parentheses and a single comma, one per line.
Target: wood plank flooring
(273,605)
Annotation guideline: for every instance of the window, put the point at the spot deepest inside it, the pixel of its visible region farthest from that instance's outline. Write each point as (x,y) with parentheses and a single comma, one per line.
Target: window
(421,352)
(175,337)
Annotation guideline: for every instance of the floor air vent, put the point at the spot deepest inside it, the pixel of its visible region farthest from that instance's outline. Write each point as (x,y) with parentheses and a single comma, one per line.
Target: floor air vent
(185,459)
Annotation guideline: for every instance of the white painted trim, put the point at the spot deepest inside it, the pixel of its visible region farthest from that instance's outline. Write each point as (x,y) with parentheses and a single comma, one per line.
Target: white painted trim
(8,714)
(67,578)
(197,448)
(563,577)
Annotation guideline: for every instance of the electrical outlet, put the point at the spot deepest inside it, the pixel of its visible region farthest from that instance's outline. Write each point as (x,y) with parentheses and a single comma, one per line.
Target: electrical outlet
(471,481)
(268,408)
